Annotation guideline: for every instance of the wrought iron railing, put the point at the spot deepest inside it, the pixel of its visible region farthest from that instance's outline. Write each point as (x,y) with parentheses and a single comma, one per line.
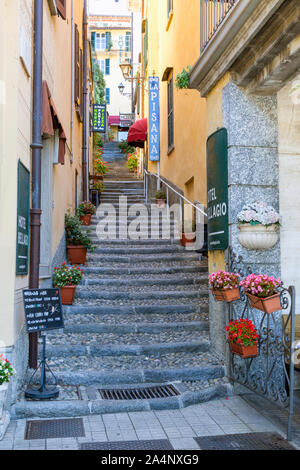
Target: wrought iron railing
(212,15)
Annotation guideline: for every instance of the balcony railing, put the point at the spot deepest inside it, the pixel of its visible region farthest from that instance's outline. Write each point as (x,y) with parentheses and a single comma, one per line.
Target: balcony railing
(213,13)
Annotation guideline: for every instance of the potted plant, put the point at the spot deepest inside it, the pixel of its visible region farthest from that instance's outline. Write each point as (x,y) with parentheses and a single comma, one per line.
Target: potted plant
(188,233)
(122,146)
(160,198)
(84,211)
(262,292)
(66,279)
(132,162)
(6,372)
(225,286)
(243,338)
(110,136)
(258,225)
(100,167)
(77,242)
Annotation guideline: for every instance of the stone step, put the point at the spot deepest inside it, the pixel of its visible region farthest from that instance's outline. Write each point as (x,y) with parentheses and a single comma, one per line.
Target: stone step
(140,250)
(128,242)
(134,259)
(160,270)
(95,294)
(153,281)
(89,328)
(93,404)
(157,308)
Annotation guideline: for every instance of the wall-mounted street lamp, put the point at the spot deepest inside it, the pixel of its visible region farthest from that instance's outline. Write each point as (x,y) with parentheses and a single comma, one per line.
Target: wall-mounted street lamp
(121,90)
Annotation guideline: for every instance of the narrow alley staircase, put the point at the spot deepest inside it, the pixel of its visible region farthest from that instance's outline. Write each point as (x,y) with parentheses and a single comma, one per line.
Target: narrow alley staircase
(140,319)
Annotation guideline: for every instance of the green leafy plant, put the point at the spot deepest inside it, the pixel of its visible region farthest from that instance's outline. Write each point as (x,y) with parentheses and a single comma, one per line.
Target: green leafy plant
(160,195)
(132,162)
(129,149)
(99,83)
(6,370)
(100,166)
(85,208)
(182,80)
(111,135)
(74,234)
(67,275)
(99,186)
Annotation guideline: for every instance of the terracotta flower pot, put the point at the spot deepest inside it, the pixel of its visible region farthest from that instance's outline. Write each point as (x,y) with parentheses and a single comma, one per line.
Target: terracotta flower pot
(187,238)
(226,295)
(77,254)
(267,305)
(67,294)
(244,351)
(160,202)
(86,219)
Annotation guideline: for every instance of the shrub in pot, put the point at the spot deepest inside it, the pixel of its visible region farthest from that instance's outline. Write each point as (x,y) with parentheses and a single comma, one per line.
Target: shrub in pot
(225,286)
(66,278)
(160,198)
(243,338)
(132,162)
(6,372)
(262,292)
(188,233)
(77,242)
(100,167)
(258,225)
(84,211)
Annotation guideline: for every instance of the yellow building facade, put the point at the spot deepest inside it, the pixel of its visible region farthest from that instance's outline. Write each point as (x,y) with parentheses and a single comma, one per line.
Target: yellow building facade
(61,172)
(170,44)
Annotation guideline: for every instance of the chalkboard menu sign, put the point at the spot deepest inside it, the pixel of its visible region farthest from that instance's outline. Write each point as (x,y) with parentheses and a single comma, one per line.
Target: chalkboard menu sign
(43,310)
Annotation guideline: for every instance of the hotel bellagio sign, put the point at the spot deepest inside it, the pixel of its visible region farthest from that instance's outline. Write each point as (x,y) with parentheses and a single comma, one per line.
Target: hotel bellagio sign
(217,190)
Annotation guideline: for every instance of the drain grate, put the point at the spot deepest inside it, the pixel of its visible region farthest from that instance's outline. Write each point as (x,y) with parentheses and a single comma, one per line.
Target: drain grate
(142,393)
(54,428)
(253,441)
(128,445)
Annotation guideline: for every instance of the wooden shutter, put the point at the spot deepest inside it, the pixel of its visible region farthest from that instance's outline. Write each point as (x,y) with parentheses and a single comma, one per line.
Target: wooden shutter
(81,85)
(77,67)
(62,8)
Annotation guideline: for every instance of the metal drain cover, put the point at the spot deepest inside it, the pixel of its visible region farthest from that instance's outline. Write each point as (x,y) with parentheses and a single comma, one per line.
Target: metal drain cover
(54,428)
(128,445)
(140,393)
(253,441)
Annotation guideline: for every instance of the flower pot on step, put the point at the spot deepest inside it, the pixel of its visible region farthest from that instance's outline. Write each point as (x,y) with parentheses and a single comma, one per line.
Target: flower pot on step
(267,305)
(226,295)
(244,351)
(86,219)
(77,254)
(67,294)
(4,417)
(187,238)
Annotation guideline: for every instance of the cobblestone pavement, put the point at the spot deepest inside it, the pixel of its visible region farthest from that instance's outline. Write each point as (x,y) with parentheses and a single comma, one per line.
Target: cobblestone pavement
(230,415)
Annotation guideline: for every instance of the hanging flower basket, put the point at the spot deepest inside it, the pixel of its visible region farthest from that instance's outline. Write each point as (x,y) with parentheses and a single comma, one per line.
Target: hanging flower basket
(226,295)
(262,292)
(244,351)
(225,286)
(268,305)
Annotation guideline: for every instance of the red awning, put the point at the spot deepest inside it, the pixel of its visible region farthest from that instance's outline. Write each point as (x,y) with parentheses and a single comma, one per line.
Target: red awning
(113,120)
(138,133)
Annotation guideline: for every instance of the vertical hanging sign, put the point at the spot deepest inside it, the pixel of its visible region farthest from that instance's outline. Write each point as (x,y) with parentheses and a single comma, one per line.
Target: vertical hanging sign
(154,131)
(99,118)
(23,220)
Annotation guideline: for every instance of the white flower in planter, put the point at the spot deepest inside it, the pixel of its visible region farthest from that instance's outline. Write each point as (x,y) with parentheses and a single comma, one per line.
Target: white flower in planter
(258,224)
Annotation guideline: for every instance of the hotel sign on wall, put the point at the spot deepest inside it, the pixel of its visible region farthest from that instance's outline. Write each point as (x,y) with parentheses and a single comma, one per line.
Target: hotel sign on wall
(154,131)
(99,118)
(23,211)
(217,190)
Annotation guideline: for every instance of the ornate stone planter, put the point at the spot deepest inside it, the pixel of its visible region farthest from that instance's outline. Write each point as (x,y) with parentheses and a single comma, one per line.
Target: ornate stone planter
(4,417)
(258,237)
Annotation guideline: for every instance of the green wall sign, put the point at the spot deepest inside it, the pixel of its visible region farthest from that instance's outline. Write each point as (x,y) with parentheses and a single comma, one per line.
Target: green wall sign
(217,190)
(23,217)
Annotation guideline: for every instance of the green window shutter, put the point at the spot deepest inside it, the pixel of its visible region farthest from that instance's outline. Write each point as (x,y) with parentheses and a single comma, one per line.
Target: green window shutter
(108,40)
(145,48)
(107,66)
(93,38)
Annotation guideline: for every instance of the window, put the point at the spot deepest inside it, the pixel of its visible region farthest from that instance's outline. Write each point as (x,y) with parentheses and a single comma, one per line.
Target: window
(107,95)
(107,66)
(170,115)
(100,44)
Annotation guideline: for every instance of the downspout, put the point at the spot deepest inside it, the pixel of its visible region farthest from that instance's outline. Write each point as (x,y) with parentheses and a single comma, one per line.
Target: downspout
(132,67)
(85,93)
(72,80)
(36,146)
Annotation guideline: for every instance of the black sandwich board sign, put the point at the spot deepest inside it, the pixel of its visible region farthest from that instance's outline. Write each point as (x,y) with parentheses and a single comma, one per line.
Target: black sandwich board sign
(43,309)
(99,118)
(217,190)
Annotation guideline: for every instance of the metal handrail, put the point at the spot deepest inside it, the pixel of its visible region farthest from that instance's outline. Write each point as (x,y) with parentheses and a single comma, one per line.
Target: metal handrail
(212,15)
(174,191)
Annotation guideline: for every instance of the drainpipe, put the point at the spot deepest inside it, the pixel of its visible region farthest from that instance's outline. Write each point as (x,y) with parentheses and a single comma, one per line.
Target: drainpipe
(36,146)
(72,79)
(132,67)
(85,93)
